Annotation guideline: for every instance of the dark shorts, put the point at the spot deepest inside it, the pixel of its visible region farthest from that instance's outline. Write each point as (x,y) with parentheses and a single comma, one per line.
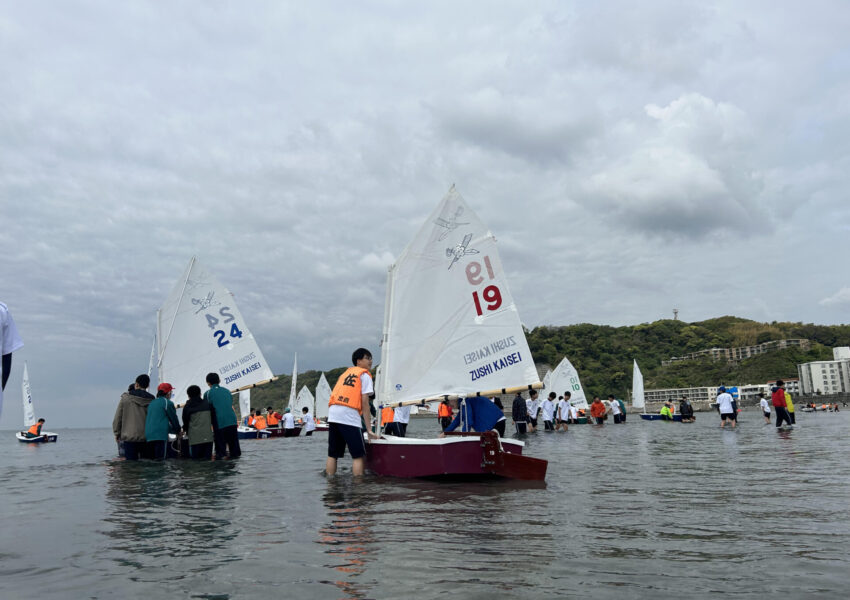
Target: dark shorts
(729,416)
(340,436)
(533,422)
(766,415)
(520,427)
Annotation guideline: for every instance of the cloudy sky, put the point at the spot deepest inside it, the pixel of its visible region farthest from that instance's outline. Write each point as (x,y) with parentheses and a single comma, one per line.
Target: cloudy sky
(630,159)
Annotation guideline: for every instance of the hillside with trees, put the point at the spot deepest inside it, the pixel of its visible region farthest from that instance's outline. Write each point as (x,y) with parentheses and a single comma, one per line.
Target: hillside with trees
(603,354)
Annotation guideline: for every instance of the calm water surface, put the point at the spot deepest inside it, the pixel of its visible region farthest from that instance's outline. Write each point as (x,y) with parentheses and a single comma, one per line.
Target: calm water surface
(645,510)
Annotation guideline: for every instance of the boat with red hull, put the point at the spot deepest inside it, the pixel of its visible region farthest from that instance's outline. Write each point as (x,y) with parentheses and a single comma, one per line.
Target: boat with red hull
(469,454)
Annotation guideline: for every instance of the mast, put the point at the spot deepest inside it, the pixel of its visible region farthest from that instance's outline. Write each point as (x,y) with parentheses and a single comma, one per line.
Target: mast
(292,394)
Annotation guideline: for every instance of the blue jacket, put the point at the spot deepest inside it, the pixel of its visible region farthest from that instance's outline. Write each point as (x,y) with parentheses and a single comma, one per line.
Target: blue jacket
(477,414)
(161,419)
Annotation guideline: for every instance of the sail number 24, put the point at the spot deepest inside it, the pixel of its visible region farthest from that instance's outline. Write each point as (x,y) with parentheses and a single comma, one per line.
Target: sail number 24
(219,334)
(490,294)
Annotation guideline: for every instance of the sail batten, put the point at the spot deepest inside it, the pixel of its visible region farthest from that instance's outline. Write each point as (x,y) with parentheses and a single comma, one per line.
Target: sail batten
(200,330)
(450,326)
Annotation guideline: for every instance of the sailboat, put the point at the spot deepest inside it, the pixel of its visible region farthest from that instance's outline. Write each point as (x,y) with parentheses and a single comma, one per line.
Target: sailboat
(451,329)
(565,379)
(323,396)
(246,432)
(29,416)
(638,400)
(200,330)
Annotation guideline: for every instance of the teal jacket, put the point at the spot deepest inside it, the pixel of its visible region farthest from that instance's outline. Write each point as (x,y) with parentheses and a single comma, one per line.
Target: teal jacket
(222,406)
(161,420)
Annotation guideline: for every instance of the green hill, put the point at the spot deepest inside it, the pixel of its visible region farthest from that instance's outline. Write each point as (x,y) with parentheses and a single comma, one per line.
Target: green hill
(603,354)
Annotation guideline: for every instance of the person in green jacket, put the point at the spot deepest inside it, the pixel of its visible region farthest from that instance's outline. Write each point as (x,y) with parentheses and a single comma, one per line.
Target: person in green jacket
(197,423)
(160,421)
(666,412)
(223,419)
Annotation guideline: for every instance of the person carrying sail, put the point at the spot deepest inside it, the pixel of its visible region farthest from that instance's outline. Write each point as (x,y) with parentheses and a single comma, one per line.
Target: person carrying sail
(35,430)
(348,399)
(476,413)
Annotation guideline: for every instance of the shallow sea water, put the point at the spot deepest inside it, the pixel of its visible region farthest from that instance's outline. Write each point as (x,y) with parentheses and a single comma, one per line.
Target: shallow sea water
(644,510)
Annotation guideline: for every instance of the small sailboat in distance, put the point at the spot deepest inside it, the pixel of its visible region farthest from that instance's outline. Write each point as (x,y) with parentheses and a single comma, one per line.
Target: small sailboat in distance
(29,416)
(451,329)
(638,400)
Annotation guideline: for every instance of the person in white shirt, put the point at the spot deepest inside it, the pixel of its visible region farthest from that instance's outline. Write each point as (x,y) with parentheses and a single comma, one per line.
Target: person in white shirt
(401,417)
(309,423)
(765,407)
(563,412)
(349,402)
(10,342)
(724,405)
(547,411)
(533,406)
(289,424)
(615,408)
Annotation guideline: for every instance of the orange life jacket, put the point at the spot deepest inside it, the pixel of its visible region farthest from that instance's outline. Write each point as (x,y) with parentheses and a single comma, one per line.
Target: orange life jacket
(251,421)
(444,410)
(347,392)
(273,420)
(34,429)
(387,415)
(597,409)
(260,422)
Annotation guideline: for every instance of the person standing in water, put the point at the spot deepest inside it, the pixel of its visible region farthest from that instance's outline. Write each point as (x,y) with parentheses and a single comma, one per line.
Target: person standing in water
(128,425)
(160,420)
(532,406)
(725,404)
(197,423)
(349,398)
(224,419)
(597,411)
(309,423)
(547,411)
(780,406)
(765,407)
(519,414)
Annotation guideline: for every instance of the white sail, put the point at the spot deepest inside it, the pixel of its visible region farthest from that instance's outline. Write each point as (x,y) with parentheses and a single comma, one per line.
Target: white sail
(323,396)
(565,379)
(153,356)
(450,324)
(637,388)
(200,330)
(292,395)
(303,400)
(547,383)
(26,392)
(244,403)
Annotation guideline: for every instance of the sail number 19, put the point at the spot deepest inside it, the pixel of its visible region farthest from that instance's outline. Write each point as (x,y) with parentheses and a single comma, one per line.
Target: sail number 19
(490,294)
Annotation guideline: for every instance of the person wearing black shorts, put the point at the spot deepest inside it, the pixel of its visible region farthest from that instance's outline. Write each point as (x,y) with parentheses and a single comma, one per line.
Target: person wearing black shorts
(348,403)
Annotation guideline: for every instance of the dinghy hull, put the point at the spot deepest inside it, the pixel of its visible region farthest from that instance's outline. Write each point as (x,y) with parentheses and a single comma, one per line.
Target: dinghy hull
(249,433)
(658,418)
(472,455)
(42,439)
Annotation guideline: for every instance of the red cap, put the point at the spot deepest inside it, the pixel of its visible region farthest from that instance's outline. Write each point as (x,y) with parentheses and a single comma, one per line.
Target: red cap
(165,387)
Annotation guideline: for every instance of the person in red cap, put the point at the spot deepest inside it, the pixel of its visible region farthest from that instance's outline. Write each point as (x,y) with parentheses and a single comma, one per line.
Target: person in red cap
(160,421)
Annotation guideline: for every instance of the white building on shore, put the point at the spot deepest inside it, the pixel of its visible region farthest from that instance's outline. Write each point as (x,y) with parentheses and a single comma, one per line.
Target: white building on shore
(826,376)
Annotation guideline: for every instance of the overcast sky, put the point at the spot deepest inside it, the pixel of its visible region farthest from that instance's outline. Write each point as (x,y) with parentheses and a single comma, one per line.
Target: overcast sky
(630,159)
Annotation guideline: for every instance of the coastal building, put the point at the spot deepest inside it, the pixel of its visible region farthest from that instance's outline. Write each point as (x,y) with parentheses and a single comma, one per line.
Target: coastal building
(824,377)
(735,355)
(792,386)
(694,394)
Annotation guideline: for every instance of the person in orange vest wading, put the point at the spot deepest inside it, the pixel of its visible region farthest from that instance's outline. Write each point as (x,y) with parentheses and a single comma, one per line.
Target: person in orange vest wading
(444,414)
(387,418)
(349,398)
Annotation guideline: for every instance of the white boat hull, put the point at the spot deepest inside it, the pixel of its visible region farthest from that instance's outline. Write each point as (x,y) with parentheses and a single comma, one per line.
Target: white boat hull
(45,437)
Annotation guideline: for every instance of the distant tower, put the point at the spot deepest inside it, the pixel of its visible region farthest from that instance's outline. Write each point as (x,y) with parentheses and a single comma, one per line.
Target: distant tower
(675,314)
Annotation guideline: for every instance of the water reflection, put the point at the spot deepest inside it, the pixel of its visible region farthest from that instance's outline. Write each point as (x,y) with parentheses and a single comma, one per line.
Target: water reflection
(348,536)
(169,515)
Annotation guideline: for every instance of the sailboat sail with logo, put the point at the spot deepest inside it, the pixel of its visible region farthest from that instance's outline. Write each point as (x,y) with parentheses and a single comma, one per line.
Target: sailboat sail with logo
(451,329)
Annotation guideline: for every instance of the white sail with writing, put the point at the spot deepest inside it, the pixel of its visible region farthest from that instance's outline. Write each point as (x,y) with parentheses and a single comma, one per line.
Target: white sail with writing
(565,379)
(200,330)
(323,396)
(450,323)
(637,388)
(26,392)
(304,399)
(244,403)
(292,388)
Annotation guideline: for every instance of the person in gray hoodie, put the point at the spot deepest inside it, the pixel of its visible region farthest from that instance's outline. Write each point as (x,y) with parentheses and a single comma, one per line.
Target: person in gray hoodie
(129,422)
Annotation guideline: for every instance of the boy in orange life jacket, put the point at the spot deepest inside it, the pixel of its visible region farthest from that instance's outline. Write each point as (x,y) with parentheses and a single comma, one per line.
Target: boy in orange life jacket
(35,430)
(349,398)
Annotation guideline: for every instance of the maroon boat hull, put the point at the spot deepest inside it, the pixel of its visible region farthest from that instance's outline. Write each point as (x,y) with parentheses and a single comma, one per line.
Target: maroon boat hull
(464,455)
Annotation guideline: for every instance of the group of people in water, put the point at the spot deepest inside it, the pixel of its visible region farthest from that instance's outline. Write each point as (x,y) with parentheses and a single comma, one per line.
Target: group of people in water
(143,422)
(269,418)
